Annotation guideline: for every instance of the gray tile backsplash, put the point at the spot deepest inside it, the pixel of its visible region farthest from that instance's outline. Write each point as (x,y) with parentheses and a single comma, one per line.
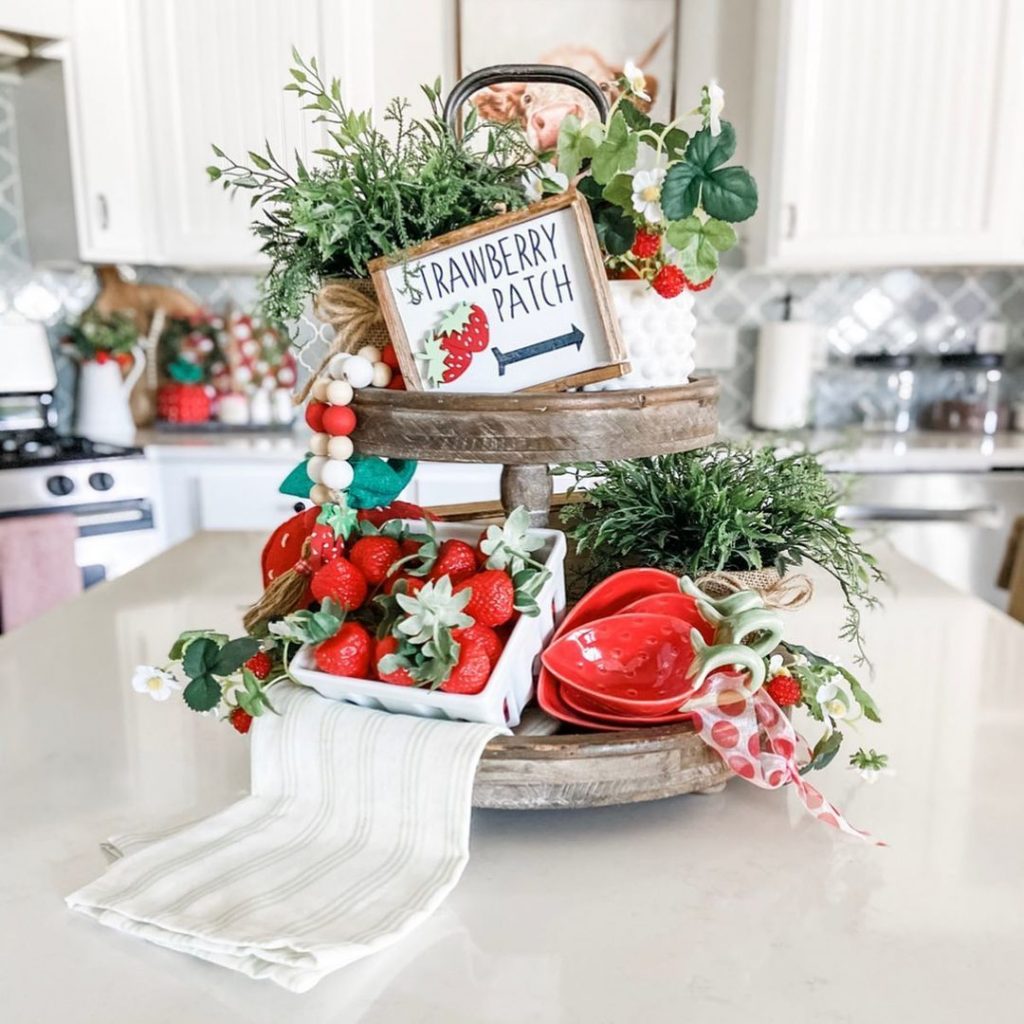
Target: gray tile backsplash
(899,310)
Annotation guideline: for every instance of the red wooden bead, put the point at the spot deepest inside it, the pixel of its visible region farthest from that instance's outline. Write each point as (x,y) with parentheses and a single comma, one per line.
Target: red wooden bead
(339,420)
(315,415)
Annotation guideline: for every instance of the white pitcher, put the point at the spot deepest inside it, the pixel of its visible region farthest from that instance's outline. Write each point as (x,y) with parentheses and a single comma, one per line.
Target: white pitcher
(103,412)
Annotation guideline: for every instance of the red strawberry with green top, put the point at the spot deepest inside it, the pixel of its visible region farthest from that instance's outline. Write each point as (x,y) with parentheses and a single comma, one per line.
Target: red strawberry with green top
(493,600)
(342,581)
(492,643)
(373,556)
(471,671)
(347,653)
(399,676)
(784,690)
(456,364)
(464,329)
(413,584)
(456,560)
(324,544)
(240,719)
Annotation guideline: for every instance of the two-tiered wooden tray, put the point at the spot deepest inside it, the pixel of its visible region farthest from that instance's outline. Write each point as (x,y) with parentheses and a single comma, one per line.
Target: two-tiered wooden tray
(526,433)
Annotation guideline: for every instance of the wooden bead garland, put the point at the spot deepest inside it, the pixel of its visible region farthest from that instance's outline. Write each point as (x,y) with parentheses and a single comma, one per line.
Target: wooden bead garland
(332,420)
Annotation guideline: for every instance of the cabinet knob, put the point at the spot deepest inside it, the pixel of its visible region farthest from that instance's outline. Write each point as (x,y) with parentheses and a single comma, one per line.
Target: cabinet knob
(103,208)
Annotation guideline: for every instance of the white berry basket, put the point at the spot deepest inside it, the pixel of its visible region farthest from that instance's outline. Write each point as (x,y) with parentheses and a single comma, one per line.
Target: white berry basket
(510,686)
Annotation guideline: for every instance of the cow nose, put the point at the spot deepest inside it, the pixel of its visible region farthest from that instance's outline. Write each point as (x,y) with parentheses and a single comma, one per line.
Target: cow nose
(539,122)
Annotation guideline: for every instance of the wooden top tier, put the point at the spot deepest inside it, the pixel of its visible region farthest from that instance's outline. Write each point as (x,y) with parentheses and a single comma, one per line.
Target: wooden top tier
(534,428)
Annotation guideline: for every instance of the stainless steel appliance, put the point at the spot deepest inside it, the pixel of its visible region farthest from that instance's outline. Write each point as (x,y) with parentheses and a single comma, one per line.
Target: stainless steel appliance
(108,488)
(954,524)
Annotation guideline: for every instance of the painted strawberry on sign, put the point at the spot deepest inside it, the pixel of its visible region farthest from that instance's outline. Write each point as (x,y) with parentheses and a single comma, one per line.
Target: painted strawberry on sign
(448,350)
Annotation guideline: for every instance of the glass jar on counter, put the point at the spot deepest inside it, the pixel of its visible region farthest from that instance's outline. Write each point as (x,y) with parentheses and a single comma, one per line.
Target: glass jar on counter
(967,398)
(885,387)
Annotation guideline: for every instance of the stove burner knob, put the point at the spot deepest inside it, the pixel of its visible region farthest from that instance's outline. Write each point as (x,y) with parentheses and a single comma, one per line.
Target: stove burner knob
(60,485)
(101,481)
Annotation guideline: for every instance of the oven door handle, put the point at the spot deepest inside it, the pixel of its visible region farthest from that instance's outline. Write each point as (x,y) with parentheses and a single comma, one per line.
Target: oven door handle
(978,514)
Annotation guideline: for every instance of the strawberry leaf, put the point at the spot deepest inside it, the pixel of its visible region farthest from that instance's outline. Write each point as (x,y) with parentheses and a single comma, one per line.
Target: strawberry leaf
(233,655)
(203,693)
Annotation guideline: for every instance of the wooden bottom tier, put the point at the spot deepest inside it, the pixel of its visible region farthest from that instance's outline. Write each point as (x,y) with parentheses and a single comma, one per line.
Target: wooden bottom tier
(596,769)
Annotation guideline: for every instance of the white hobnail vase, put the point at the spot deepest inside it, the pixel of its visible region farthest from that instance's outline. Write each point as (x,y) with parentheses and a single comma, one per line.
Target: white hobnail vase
(658,334)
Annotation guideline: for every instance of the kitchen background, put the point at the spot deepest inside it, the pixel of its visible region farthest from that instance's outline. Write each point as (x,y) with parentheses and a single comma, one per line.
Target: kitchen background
(822,96)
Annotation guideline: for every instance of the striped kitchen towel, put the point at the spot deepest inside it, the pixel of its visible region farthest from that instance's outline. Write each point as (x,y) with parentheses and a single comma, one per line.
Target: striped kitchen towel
(356,829)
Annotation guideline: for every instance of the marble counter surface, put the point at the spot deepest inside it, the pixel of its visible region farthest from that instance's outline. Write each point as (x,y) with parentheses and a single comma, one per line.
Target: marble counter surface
(702,909)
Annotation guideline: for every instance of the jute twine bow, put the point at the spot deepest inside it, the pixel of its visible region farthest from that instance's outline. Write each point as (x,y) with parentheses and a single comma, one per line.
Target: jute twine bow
(787,592)
(351,308)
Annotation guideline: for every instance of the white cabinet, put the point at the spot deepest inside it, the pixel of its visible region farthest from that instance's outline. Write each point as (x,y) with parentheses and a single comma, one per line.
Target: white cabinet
(106,117)
(890,132)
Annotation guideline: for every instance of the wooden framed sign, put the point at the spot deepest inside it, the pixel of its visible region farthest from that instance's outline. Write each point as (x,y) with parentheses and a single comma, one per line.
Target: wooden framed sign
(519,302)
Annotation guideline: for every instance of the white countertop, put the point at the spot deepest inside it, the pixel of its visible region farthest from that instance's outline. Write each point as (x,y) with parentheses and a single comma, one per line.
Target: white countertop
(852,451)
(692,909)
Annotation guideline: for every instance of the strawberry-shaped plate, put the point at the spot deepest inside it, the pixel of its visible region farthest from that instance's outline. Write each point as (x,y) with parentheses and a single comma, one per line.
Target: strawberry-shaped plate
(592,708)
(549,697)
(634,662)
(680,606)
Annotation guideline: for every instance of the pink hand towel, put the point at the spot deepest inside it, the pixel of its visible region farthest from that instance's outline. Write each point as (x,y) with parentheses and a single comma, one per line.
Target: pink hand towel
(37,566)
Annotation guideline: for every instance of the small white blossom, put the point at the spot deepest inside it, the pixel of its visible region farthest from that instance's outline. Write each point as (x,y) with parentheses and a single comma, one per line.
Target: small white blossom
(647,195)
(154,681)
(534,178)
(716,103)
(836,701)
(870,774)
(636,80)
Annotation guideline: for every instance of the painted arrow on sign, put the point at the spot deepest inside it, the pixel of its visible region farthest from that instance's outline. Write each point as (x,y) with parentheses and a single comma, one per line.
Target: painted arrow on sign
(574,339)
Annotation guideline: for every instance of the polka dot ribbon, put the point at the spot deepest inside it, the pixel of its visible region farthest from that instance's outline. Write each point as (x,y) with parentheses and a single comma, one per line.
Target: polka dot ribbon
(758,743)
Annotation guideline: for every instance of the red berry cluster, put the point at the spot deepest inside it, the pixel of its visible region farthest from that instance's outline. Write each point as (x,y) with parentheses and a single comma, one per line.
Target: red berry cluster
(648,263)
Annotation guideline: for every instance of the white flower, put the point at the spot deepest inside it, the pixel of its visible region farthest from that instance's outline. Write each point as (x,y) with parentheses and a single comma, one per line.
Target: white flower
(775,666)
(716,102)
(534,178)
(636,81)
(154,681)
(647,194)
(836,701)
(800,661)
(872,775)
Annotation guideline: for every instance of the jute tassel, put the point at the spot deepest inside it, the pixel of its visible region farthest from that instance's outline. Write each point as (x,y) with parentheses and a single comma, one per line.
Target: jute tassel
(283,594)
(791,591)
(350,306)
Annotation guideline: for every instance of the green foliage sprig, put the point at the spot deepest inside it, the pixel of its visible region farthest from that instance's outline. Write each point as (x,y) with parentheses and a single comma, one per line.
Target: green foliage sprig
(724,507)
(375,193)
(95,335)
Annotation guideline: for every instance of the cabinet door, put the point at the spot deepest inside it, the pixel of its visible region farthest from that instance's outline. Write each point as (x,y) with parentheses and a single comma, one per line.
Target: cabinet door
(216,74)
(897,133)
(103,91)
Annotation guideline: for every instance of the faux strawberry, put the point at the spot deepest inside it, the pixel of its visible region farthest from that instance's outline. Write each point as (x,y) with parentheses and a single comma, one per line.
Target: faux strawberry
(374,556)
(492,643)
(324,544)
(464,329)
(784,690)
(471,671)
(493,597)
(456,364)
(413,584)
(699,287)
(399,676)
(260,664)
(669,281)
(342,581)
(240,719)
(347,653)
(646,244)
(396,510)
(457,561)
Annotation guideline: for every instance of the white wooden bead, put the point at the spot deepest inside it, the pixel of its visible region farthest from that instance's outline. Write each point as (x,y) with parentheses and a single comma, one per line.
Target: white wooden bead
(319,390)
(336,367)
(381,375)
(358,371)
(336,475)
(370,353)
(320,495)
(340,448)
(339,392)
(318,443)
(315,467)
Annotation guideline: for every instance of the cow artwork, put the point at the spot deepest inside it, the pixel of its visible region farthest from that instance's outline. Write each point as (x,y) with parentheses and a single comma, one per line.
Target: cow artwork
(540,107)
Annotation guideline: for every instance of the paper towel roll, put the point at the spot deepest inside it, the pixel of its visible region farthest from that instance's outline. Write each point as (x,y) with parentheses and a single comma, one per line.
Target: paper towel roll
(783,375)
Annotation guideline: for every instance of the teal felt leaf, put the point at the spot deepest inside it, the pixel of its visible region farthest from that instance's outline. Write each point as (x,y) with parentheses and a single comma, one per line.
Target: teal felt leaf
(376,482)
(233,655)
(203,693)
(297,482)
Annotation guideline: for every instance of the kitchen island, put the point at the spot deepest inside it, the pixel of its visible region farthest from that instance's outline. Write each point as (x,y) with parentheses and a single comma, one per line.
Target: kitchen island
(698,908)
